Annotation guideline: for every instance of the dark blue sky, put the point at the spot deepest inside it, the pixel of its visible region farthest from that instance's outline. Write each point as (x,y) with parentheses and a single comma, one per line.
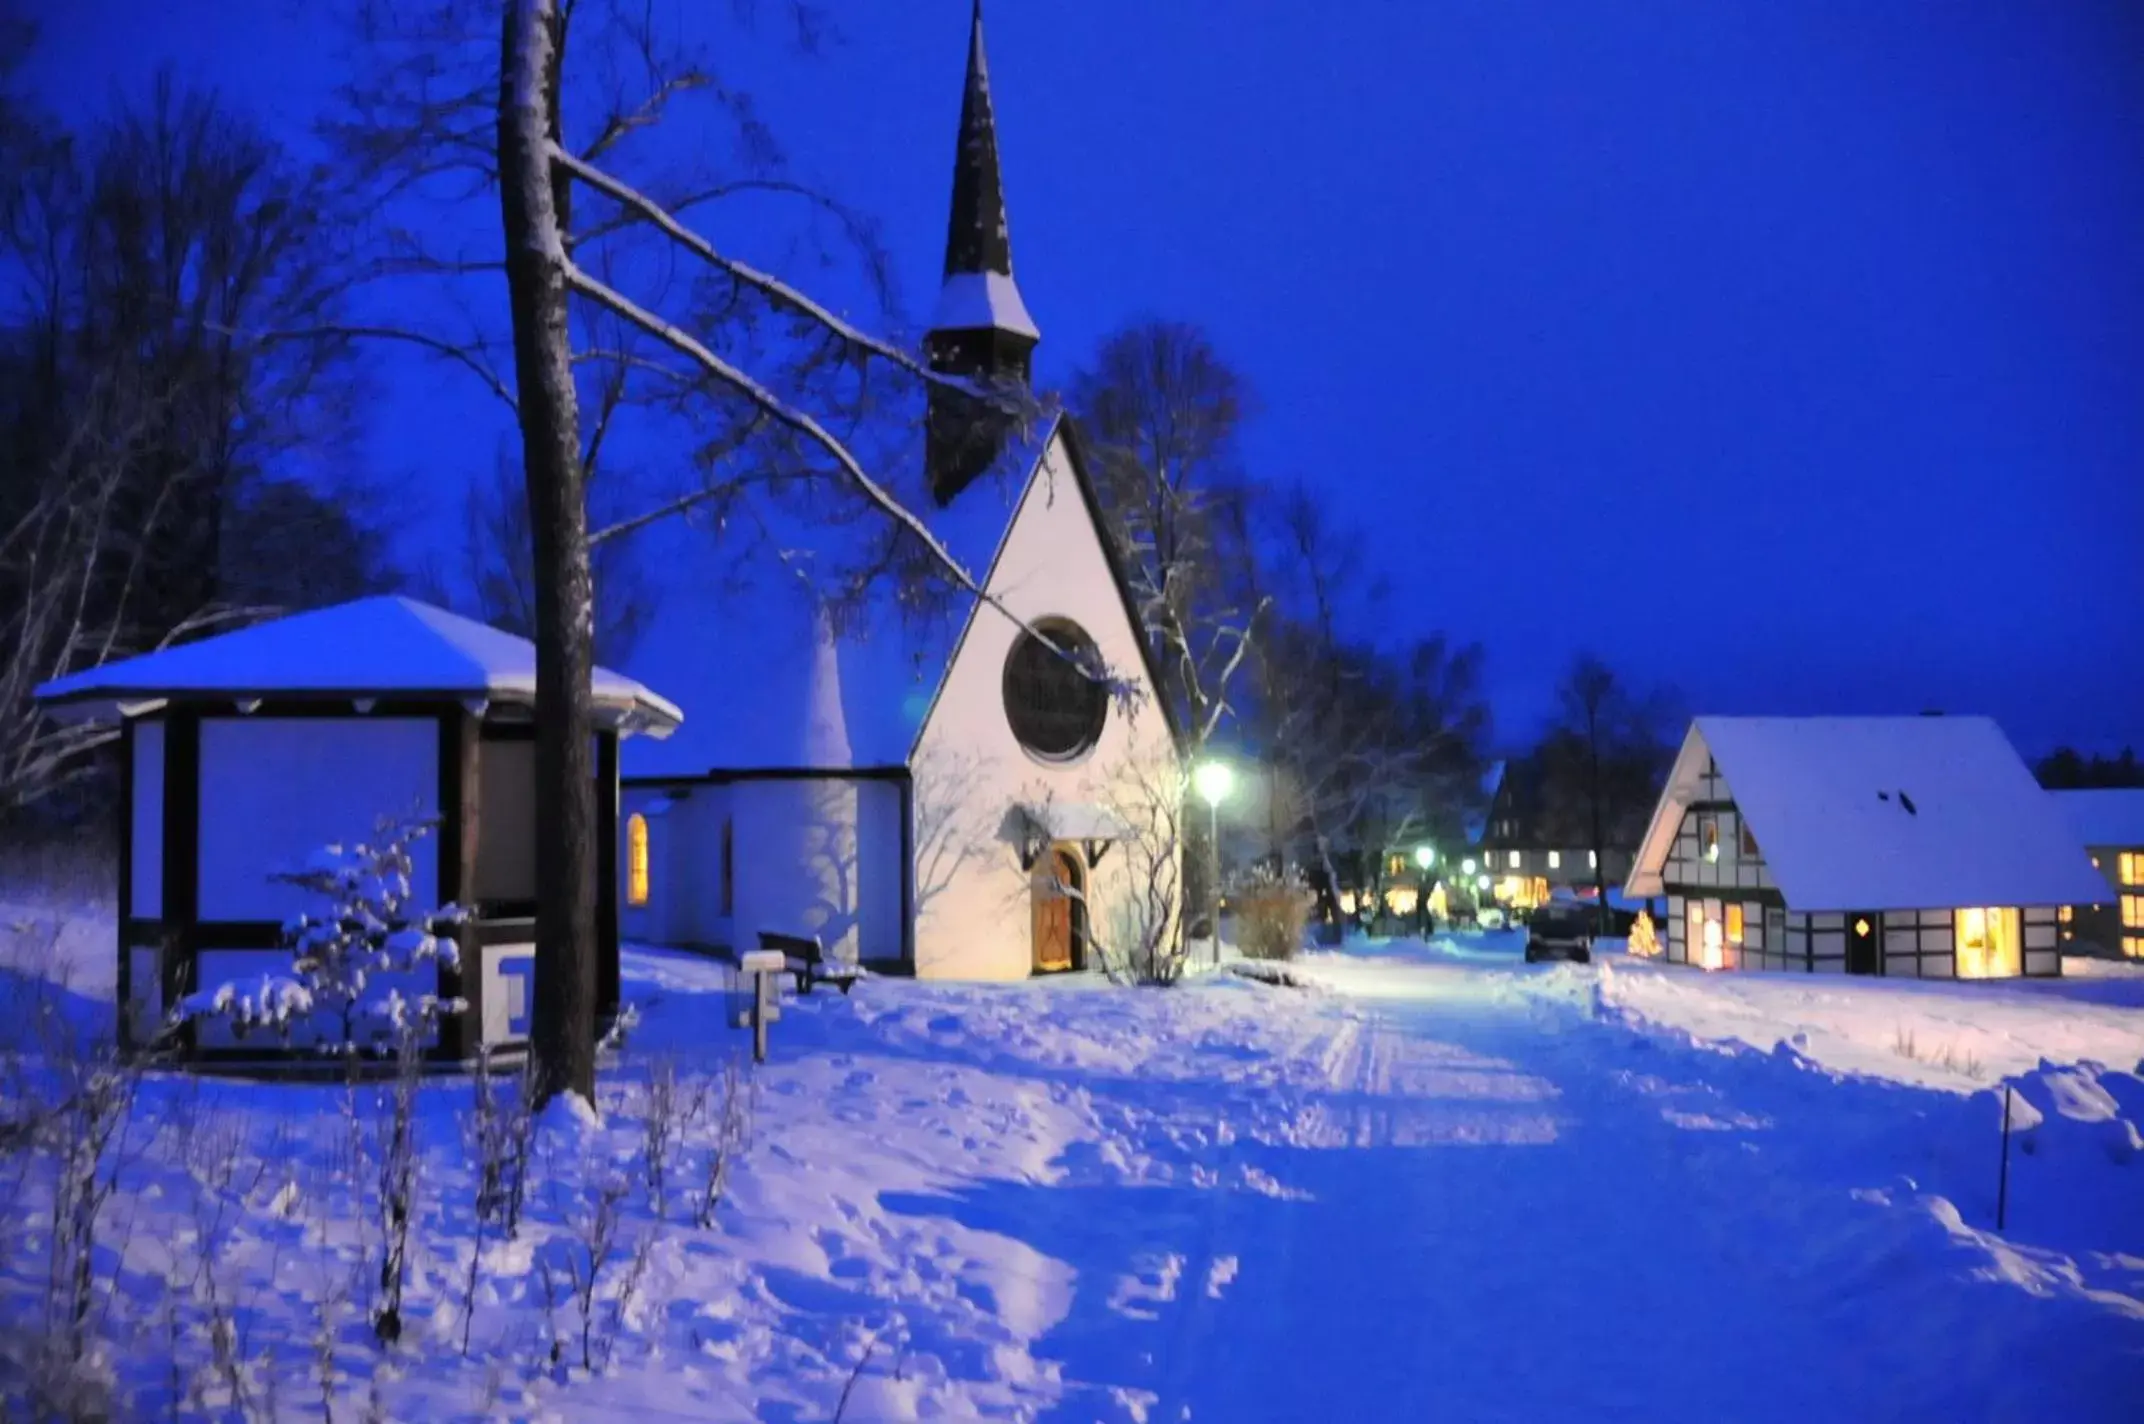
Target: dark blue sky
(1792,354)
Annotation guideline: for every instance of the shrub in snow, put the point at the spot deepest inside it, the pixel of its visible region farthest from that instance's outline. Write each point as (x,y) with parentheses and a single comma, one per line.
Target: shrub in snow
(346,957)
(1271,916)
(356,964)
(1644,939)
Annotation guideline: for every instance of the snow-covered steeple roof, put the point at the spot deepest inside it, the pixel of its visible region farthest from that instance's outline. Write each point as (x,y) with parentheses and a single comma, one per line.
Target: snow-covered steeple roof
(979,292)
(1880,813)
(371,648)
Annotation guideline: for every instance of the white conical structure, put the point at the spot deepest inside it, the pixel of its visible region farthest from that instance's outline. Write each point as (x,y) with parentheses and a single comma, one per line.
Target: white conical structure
(795,833)
(825,727)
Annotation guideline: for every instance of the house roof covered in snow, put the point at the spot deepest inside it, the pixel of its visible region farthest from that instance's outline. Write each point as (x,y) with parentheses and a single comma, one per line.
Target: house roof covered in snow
(1880,813)
(2113,817)
(387,646)
(768,669)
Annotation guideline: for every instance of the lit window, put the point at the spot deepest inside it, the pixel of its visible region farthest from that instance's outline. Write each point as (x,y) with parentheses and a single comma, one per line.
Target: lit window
(2066,914)
(1708,831)
(1715,953)
(2133,912)
(636,860)
(1514,860)
(1734,924)
(2132,867)
(1593,860)
(1555,860)
(2133,947)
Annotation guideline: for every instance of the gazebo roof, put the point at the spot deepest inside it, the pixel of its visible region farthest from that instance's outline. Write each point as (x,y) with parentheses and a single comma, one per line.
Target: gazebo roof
(373,648)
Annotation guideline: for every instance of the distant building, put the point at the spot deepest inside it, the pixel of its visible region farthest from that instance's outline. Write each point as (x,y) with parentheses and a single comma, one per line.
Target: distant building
(2111,825)
(1530,850)
(1903,846)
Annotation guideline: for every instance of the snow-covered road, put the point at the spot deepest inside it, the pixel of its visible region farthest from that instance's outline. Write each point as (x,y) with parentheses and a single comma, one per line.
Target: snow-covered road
(1497,1207)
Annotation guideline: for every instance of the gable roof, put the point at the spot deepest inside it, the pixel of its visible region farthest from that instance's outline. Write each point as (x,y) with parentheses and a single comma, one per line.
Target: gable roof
(2105,817)
(1828,800)
(751,662)
(387,646)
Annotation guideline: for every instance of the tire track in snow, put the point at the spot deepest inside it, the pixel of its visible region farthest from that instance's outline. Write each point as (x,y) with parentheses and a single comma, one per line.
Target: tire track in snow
(1356,1066)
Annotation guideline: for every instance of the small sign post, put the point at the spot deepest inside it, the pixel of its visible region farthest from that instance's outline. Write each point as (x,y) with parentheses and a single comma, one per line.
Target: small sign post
(761,970)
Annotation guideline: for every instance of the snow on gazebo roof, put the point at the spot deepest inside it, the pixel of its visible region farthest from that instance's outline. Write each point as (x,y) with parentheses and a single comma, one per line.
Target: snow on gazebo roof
(1881,813)
(384,647)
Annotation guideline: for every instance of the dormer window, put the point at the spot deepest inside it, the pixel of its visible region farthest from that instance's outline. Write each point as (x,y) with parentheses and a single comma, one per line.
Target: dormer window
(1708,838)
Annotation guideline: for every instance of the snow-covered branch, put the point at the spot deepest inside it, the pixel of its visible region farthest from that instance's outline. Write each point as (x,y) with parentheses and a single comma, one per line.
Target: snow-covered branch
(764,283)
(805,424)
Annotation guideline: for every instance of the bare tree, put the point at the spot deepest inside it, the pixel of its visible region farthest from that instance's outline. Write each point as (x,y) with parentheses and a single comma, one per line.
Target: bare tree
(1370,749)
(1603,761)
(1164,410)
(155,488)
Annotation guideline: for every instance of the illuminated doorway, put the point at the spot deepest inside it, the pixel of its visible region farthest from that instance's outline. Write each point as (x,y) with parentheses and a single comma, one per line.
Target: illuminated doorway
(1989,945)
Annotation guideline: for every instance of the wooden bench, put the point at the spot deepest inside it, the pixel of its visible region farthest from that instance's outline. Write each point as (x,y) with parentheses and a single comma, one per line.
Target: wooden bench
(807,960)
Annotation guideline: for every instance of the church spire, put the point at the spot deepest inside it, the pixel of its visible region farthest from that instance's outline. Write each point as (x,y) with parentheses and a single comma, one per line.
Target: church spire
(980,327)
(977,239)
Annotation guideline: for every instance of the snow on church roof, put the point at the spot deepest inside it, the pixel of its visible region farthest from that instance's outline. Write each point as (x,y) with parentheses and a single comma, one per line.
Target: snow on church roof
(750,663)
(1881,813)
(387,646)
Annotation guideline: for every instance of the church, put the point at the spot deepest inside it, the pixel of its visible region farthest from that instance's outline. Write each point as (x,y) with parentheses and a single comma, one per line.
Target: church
(987,788)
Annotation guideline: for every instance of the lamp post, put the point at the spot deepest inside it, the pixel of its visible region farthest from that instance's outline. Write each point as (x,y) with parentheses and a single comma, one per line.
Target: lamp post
(1424,857)
(1213,780)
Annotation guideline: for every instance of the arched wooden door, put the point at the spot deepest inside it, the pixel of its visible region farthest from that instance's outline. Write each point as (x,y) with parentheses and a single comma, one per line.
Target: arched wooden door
(1059,890)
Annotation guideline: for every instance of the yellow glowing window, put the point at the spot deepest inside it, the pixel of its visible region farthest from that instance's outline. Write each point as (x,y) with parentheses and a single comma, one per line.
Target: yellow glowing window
(1514,860)
(2067,914)
(2133,947)
(1988,945)
(1708,831)
(1734,924)
(2133,867)
(636,860)
(2133,912)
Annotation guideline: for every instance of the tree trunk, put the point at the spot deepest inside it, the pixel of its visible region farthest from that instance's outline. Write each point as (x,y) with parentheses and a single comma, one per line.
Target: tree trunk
(563,1020)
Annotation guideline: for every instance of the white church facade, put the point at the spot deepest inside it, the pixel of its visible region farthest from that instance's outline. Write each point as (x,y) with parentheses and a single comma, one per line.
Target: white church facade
(985,792)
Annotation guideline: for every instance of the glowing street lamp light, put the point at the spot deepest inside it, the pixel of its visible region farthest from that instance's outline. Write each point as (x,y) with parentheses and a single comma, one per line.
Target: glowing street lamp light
(1482,883)
(1425,856)
(1213,780)
(1467,865)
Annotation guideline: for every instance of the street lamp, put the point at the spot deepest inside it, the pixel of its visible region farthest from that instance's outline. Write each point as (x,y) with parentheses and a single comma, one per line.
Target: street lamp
(1467,865)
(1424,857)
(1213,780)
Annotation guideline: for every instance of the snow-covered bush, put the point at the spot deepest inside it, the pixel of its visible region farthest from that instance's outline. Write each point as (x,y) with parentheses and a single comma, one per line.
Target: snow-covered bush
(347,957)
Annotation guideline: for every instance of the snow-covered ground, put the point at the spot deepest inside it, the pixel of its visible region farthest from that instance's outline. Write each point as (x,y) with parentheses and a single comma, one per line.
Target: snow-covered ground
(1439,1183)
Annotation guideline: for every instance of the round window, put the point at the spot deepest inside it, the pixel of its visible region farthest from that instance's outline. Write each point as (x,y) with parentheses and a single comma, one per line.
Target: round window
(1056,710)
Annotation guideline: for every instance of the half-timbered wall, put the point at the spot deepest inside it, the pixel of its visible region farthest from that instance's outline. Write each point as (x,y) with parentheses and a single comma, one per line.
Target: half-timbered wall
(1716,876)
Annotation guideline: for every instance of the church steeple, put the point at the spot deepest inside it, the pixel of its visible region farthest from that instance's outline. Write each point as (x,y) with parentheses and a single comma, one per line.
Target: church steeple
(980,328)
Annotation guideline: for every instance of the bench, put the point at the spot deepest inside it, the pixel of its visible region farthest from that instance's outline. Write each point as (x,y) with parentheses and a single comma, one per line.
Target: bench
(806,959)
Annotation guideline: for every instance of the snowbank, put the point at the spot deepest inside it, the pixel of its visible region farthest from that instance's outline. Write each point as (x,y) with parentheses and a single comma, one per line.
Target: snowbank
(1952,1035)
